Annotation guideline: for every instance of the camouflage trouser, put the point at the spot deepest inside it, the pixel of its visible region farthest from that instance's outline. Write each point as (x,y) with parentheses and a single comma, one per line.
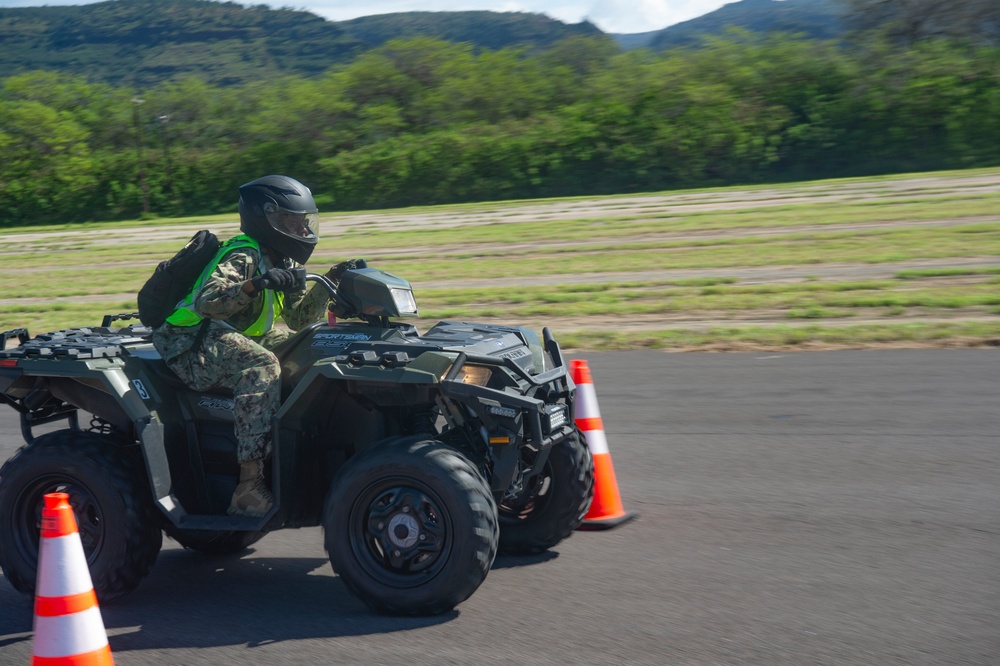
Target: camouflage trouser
(228,359)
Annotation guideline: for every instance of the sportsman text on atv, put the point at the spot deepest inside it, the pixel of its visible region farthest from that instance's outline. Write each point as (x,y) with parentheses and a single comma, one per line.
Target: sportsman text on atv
(420,455)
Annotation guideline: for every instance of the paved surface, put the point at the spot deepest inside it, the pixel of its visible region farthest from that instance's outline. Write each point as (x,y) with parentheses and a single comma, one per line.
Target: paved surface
(811,508)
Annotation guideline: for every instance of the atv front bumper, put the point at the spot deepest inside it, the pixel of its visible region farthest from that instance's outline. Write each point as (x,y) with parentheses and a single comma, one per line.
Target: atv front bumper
(537,417)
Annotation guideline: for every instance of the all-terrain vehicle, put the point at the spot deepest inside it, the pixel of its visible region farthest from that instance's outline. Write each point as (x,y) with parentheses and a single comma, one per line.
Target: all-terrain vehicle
(421,456)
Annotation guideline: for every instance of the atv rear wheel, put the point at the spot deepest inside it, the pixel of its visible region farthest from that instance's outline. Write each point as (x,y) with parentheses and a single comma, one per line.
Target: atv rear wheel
(107,488)
(214,542)
(552,504)
(411,527)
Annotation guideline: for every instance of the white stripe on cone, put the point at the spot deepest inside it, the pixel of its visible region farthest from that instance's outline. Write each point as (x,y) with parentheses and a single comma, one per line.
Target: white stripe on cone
(69,635)
(586,408)
(586,402)
(597,442)
(64,567)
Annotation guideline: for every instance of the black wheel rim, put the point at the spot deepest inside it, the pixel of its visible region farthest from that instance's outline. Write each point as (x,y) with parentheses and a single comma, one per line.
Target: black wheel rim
(28,515)
(534,498)
(401,532)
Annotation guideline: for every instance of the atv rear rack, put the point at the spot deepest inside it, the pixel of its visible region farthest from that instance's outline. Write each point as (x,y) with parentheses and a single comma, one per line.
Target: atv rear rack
(74,343)
(38,407)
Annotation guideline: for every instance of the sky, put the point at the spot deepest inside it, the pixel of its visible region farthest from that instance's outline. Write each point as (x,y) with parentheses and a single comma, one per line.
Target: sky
(612,16)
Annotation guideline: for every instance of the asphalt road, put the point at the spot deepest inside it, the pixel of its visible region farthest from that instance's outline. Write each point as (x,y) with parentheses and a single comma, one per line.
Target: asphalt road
(811,508)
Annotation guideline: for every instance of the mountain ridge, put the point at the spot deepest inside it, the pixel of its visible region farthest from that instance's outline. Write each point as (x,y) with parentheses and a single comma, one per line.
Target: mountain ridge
(144,42)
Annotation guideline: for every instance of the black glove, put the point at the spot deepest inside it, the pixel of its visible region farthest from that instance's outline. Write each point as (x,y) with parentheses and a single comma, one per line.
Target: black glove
(338,271)
(278,279)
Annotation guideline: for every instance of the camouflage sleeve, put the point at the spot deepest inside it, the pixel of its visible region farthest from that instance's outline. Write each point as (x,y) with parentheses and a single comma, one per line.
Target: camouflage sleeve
(222,294)
(306,307)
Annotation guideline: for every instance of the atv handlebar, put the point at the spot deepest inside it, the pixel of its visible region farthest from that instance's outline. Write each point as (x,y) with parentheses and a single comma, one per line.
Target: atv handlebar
(323,281)
(328,284)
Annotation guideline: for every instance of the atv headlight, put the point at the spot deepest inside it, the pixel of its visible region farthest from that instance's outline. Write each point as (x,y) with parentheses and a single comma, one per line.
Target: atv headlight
(474,374)
(403,298)
(554,417)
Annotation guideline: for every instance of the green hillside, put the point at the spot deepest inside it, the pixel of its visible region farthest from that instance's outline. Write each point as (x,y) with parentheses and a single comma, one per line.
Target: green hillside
(492,30)
(816,19)
(143,42)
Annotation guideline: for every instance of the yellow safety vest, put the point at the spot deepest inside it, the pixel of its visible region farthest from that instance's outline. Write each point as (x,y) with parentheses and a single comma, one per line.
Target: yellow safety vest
(274,302)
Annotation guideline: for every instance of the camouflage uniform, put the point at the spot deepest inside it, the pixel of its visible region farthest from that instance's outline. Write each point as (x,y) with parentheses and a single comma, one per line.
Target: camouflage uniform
(229,359)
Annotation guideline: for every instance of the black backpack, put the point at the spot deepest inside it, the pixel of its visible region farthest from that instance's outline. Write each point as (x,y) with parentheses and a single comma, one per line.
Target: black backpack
(174,278)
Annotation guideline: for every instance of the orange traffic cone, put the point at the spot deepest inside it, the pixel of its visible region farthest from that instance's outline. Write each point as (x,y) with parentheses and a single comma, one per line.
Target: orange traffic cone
(606,510)
(69,630)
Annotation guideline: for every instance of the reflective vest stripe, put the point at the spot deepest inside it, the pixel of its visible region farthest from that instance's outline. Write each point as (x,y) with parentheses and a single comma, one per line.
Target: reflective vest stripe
(274,303)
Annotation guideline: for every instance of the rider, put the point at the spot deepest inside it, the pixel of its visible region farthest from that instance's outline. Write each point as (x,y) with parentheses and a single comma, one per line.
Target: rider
(221,334)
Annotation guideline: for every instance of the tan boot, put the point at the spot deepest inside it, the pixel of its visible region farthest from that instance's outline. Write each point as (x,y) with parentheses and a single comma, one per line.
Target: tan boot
(252,497)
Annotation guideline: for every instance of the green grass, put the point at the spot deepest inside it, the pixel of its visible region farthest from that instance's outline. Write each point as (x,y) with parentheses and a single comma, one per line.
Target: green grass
(611,228)
(738,338)
(632,298)
(72,275)
(945,272)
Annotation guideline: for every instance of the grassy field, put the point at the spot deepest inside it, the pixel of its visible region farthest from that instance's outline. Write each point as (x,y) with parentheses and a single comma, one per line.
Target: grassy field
(908,261)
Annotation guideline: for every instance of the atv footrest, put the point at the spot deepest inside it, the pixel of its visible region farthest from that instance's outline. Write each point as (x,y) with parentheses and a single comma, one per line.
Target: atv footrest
(221,523)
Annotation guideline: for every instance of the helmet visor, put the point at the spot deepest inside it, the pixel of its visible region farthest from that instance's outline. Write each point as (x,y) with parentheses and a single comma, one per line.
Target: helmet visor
(290,223)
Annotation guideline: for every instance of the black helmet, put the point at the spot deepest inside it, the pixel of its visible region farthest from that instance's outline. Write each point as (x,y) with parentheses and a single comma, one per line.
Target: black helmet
(279,213)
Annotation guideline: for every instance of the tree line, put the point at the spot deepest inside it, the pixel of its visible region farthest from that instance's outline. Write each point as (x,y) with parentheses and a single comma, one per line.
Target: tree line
(424,121)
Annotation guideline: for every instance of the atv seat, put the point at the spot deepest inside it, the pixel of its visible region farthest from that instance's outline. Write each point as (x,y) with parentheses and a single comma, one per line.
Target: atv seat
(159,367)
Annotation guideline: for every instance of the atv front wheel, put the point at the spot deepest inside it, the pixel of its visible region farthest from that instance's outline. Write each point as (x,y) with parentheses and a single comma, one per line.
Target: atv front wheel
(552,503)
(411,527)
(107,488)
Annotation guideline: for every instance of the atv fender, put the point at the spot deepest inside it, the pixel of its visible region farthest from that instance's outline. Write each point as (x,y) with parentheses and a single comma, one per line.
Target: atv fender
(406,380)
